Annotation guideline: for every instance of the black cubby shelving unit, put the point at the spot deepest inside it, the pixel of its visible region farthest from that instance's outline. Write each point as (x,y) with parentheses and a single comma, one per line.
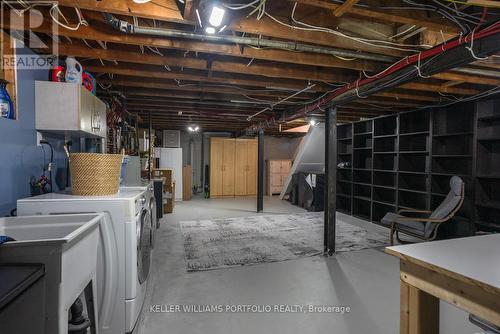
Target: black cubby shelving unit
(406,160)
(344,173)
(486,208)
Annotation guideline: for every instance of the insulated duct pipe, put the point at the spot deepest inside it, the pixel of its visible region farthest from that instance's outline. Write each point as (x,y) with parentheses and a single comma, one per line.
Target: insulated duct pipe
(129,28)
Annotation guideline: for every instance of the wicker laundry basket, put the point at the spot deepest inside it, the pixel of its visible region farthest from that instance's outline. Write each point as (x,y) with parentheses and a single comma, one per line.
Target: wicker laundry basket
(94,174)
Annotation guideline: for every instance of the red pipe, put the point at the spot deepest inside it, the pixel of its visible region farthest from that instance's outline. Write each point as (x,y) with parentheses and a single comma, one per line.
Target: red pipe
(402,63)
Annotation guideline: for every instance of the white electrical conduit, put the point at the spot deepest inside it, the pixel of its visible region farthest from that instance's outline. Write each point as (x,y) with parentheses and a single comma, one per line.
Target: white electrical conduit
(285,45)
(281,101)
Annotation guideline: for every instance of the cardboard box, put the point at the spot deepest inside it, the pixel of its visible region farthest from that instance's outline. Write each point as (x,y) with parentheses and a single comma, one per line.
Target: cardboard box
(169,200)
(187,188)
(165,174)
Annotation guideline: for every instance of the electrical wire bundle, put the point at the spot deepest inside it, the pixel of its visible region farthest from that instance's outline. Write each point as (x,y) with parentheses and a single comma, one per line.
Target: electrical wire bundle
(409,67)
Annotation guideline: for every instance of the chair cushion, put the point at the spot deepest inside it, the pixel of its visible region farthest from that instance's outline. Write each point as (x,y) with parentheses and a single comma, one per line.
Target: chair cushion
(414,227)
(389,218)
(450,203)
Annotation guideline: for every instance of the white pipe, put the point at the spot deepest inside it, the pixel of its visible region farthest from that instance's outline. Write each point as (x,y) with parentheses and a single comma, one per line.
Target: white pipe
(281,101)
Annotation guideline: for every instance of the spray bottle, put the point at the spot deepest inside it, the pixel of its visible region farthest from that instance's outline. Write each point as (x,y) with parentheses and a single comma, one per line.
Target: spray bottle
(6,105)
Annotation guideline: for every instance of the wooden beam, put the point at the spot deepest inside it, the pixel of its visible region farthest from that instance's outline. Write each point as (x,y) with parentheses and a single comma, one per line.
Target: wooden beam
(121,70)
(407,96)
(467,78)
(100,31)
(438,88)
(198,87)
(435,23)
(344,7)
(165,10)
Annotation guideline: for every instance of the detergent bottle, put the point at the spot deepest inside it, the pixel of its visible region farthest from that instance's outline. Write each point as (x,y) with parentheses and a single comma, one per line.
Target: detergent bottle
(6,105)
(73,71)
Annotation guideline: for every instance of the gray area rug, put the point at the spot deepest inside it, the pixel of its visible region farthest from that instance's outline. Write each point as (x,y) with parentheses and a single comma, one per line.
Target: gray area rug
(221,243)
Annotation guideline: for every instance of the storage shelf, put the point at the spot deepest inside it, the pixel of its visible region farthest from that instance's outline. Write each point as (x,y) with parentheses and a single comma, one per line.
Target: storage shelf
(366,169)
(363,133)
(363,198)
(362,184)
(489,118)
(489,139)
(451,174)
(493,177)
(442,156)
(384,187)
(387,153)
(413,191)
(457,134)
(489,204)
(414,152)
(384,203)
(344,139)
(419,133)
(410,172)
(385,136)
(385,170)
(362,148)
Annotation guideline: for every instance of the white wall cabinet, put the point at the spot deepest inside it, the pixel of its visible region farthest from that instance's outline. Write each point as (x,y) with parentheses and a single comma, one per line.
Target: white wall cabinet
(68,108)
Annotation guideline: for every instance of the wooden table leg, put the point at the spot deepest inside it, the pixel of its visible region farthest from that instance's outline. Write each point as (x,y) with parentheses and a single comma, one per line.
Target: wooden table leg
(404,322)
(423,312)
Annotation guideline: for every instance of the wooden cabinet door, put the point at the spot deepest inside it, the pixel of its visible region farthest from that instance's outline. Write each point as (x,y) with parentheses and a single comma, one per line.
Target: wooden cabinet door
(252,167)
(276,166)
(228,167)
(286,165)
(241,168)
(216,166)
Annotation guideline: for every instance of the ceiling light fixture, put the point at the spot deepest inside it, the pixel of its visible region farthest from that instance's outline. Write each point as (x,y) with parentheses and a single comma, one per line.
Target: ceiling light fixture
(313,122)
(194,128)
(210,30)
(141,1)
(216,16)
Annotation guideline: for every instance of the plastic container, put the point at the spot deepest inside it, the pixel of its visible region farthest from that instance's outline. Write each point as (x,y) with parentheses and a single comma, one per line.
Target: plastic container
(73,71)
(6,105)
(67,246)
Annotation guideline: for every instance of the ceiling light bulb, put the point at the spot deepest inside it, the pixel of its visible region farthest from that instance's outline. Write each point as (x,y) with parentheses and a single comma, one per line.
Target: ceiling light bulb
(312,122)
(196,128)
(216,16)
(210,30)
(141,1)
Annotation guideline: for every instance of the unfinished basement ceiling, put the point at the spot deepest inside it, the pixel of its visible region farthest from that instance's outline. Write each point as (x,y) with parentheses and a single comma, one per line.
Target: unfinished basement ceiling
(219,85)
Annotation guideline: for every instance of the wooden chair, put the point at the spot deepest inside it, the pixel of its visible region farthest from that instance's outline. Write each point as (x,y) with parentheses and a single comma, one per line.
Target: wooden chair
(423,224)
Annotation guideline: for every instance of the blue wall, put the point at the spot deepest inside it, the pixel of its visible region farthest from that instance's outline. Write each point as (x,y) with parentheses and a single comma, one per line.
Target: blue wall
(20,157)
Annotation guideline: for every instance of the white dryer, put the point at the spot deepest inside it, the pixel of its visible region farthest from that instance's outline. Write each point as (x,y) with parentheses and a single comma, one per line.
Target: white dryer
(122,279)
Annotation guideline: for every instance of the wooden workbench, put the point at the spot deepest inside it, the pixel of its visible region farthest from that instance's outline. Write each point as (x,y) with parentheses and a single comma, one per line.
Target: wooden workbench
(463,272)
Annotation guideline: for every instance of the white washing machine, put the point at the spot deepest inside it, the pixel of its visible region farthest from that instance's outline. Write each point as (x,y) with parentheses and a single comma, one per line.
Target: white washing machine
(148,187)
(122,279)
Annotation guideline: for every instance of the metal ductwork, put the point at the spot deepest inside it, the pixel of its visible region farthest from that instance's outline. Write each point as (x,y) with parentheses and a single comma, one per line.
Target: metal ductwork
(129,28)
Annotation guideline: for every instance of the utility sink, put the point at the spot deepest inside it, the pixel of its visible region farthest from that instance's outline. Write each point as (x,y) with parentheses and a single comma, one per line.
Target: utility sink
(34,231)
(66,245)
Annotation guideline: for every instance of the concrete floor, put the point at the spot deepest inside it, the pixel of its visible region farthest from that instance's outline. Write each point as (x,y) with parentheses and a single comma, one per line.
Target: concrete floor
(367,281)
